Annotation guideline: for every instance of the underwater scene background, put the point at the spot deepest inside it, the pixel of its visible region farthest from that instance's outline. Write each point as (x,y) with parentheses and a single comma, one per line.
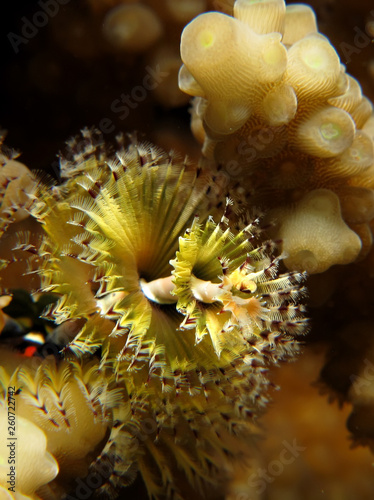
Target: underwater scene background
(186,250)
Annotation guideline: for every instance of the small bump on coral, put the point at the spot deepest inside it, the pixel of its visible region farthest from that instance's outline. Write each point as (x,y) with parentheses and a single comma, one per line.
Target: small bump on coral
(262,16)
(333,242)
(300,21)
(326,133)
(313,67)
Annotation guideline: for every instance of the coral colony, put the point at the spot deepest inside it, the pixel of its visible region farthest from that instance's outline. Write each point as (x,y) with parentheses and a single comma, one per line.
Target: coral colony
(314,168)
(171,295)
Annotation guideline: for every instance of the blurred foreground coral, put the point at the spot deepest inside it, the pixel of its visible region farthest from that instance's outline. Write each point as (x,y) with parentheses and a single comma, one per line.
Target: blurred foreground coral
(306,452)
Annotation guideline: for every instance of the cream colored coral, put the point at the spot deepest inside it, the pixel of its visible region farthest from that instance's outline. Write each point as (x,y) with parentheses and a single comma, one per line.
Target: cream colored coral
(64,401)
(275,108)
(16,185)
(71,405)
(314,234)
(215,47)
(326,133)
(261,17)
(16,181)
(6,495)
(300,21)
(34,465)
(313,67)
(280,105)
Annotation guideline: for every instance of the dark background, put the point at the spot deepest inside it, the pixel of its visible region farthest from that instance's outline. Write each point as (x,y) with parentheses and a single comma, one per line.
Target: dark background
(65,78)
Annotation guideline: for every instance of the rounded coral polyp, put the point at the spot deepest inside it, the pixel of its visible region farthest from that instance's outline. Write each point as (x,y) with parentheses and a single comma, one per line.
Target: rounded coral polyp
(350,99)
(272,61)
(228,59)
(313,67)
(197,112)
(35,465)
(368,128)
(280,105)
(226,117)
(300,21)
(358,157)
(133,28)
(262,16)
(326,133)
(362,112)
(188,84)
(357,204)
(333,242)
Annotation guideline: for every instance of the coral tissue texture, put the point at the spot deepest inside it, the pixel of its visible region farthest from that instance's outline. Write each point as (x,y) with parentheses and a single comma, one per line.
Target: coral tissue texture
(274,105)
(63,412)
